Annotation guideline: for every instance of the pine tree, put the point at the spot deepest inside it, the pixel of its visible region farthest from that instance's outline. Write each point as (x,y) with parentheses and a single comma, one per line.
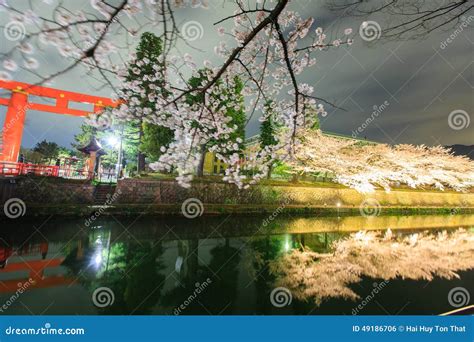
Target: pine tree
(268,131)
(147,68)
(154,138)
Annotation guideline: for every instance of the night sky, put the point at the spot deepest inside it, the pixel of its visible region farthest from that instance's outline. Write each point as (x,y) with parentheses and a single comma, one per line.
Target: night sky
(420,82)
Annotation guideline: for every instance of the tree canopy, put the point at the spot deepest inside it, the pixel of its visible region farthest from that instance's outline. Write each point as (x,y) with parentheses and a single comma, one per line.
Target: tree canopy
(49,150)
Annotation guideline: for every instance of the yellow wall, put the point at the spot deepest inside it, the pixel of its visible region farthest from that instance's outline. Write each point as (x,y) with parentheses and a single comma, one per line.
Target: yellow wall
(212,165)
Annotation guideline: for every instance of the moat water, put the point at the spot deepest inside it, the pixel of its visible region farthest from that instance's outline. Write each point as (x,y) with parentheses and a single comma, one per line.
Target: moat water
(212,266)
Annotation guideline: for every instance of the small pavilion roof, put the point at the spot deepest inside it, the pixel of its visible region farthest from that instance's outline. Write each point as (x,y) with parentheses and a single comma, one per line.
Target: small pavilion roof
(92,146)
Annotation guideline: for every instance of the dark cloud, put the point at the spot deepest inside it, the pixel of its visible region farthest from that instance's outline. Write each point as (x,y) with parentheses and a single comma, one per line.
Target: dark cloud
(422,82)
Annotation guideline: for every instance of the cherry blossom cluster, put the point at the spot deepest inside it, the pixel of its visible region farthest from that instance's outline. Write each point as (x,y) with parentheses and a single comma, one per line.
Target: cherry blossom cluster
(365,166)
(96,37)
(270,49)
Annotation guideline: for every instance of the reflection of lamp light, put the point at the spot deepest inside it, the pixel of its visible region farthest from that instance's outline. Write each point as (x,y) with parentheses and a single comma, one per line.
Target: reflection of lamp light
(178,264)
(98,259)
(287,244)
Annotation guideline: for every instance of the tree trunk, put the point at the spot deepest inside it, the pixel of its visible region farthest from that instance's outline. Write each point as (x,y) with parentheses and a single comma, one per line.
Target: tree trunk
(269,172)
(200,168)
(141,155)
(294,179)
(141,162)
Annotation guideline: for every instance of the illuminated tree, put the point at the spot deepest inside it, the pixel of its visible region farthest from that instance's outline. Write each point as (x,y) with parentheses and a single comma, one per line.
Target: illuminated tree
(271,47)
(365,166)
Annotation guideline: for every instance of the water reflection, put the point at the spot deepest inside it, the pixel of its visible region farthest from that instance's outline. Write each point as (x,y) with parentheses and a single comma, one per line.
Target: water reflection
(222,270)
(419,256)
(131,269)
(155,266)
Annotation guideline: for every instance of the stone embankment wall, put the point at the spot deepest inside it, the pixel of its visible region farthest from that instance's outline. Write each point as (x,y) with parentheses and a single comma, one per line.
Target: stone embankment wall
(168,192)
(44,191)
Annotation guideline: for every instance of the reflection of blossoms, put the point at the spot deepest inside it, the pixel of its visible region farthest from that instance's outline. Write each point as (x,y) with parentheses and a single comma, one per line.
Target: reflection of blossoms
(311,275)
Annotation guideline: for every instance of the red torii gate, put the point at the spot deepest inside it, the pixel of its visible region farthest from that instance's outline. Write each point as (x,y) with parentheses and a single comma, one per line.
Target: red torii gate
(18,104)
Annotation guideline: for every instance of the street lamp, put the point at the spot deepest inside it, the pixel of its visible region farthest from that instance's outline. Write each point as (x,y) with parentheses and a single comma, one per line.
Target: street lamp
(115,142)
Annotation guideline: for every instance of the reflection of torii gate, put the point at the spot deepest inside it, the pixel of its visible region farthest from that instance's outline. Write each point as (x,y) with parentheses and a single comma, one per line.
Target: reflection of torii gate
(18,104)
(35,269)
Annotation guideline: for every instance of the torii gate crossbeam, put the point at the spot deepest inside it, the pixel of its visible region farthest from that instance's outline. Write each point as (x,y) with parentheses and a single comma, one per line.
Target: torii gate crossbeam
(18,104)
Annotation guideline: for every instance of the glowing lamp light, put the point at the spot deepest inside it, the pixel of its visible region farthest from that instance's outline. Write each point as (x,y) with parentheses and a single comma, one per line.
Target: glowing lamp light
(112,141)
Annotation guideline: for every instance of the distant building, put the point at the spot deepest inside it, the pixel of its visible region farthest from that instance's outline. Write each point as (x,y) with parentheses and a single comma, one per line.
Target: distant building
(213,165)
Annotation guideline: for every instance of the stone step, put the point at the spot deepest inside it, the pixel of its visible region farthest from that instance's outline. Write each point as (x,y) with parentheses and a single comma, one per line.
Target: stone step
(103,193)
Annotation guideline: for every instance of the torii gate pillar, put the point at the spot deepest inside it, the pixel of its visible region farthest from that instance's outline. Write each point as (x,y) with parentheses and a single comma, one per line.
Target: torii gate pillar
(13,126)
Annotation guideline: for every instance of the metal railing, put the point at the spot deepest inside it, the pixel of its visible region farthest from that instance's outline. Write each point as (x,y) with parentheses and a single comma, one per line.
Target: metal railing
(18,169)
(12,169)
